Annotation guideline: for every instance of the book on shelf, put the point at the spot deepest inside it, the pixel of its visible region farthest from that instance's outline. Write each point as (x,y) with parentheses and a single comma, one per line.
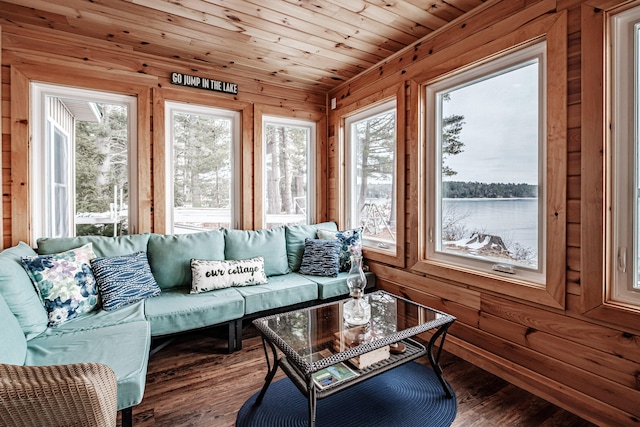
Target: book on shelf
(333,374)
(353,337)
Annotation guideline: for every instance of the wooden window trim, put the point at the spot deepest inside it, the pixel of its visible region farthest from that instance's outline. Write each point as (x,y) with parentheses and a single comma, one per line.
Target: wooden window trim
(160,95)
(397,92)
(553,29)
(320,119)
(595,118)
(20,133)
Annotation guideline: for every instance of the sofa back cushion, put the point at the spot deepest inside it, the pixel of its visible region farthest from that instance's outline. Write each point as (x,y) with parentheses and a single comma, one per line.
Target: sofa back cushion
(296,235)
(268,243)
(103,246)
(13,344)
(19,293)
(170,255)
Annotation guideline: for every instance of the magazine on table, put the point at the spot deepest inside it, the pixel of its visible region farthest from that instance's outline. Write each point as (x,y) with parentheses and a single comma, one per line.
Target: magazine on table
(332,374)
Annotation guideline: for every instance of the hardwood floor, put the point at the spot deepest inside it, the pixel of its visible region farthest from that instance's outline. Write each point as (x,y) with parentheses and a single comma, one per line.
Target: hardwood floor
(194,382)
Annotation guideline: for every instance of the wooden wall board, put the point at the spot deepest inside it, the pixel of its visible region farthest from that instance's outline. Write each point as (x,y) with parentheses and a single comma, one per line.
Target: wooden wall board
(3,105)
(460,294)
(573,235)
(590,408)
(582,381)
(601,363)
(19,179)
(464,314)
(573,283)
(618,343)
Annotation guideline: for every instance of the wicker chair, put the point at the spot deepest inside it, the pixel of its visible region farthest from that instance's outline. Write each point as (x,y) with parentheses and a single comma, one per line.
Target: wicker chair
(81,394)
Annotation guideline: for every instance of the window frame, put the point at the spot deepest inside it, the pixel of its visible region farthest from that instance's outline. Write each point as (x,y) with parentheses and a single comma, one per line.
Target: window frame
(400,93)
(40,165)
(595,198)
(52,128)
(184,107)
(623,161)
(552,29)
(503,64)
(318,168)
(311,161)
(350,164)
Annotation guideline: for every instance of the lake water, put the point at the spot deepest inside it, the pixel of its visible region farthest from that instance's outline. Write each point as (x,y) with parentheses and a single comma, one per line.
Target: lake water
(515,220)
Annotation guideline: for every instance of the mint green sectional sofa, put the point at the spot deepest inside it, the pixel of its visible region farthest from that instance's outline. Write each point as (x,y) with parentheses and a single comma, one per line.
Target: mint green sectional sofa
(122,338)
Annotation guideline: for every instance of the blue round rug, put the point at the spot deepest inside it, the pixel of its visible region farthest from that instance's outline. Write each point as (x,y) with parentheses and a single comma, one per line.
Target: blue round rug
(407,396)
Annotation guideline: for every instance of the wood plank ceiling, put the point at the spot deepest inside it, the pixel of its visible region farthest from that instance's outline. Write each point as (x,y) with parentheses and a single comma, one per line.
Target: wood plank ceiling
(313,45)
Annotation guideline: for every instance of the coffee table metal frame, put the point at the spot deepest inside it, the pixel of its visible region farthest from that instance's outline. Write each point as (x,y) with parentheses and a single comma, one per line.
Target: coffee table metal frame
(300,371)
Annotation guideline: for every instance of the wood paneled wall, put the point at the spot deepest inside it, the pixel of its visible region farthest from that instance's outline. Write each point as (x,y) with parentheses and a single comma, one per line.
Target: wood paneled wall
(30,53)
(590,366)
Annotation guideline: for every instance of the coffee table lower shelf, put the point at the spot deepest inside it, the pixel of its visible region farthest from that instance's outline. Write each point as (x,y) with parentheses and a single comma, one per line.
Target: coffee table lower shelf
(312,392)
(413,351)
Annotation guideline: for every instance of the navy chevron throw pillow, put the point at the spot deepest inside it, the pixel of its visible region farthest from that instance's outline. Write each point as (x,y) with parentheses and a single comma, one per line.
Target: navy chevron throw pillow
(321,257)
(124,279)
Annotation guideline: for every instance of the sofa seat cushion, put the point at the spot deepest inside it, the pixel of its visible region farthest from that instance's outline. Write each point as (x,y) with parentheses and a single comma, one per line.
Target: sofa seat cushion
(124,348)
(18,291)
(296,235)
(176,310)
(13,344)
(100,318)
(170,255)
(281,291)
(268,243)
(103,246)
(330,287)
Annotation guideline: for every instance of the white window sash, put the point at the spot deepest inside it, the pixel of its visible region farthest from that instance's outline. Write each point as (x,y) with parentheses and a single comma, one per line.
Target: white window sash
(351,196)
(311,159)
(511,61)
(623,259)
(172,107)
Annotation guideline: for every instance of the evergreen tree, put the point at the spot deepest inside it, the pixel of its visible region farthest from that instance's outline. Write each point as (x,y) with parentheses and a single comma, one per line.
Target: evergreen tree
(202,161)
(376,153)
(451,143)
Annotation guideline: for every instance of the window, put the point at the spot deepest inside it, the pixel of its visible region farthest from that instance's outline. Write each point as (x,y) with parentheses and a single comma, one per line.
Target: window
(289,196)
(84,146)
(625,253)
(485,167)
(201,161)
(62,190)
(370,137)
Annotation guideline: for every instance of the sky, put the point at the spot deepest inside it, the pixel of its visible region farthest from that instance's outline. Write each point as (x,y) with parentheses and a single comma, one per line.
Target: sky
(500,129)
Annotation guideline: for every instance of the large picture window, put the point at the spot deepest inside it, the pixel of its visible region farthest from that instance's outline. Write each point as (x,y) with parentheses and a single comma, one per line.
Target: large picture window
(370,137)
(624,258)
(82,162)
(486,166)
(289,196)
(202,143)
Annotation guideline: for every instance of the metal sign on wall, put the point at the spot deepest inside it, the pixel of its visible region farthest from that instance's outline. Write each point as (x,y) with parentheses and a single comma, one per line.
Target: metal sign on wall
(203,83)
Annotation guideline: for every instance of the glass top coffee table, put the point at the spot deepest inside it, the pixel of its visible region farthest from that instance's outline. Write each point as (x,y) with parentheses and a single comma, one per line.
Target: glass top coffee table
(322,355)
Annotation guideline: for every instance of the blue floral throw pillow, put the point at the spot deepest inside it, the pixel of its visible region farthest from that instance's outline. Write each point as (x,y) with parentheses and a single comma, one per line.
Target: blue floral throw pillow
(351,241)
(64,282)
(124,279)
(320,258)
